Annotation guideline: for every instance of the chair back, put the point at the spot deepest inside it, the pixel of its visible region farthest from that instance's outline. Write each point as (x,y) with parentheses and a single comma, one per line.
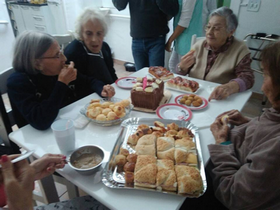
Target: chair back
(195,39)
(63,39)
(6,115)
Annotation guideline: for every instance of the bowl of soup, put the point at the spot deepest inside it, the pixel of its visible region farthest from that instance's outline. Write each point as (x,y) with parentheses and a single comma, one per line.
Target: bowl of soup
(87,159)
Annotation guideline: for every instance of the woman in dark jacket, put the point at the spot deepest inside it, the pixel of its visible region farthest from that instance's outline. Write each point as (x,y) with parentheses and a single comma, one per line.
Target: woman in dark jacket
(42,84)
(92,56)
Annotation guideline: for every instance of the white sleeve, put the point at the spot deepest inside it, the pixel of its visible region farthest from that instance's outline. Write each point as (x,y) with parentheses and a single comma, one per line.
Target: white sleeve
(186,13)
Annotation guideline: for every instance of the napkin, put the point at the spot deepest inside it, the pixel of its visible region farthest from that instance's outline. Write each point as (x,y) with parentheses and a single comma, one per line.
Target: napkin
(81,122)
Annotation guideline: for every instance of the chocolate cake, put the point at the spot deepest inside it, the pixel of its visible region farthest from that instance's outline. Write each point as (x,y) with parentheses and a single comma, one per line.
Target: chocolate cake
(147,93)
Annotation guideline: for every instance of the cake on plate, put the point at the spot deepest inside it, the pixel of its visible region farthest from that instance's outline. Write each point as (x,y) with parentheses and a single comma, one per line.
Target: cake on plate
(183,84)
(147,93)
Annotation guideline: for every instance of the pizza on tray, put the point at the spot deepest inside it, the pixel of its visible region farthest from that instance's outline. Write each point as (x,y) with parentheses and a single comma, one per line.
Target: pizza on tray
(160,72)
(183,84)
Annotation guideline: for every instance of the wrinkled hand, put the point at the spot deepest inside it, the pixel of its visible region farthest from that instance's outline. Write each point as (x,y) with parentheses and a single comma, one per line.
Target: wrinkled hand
(18,182)
(68,74)
(219,130)
(108,91)
(168,46)
(47,164)
(187,60)
(223,91)
(234,117)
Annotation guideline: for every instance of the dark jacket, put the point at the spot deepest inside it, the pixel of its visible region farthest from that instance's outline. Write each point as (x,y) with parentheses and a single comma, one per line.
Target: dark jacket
(36,99)
(149,18)
(93,66)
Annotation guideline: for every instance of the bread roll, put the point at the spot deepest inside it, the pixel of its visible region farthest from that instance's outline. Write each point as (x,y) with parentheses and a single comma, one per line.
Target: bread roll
(165,148)
(189,180)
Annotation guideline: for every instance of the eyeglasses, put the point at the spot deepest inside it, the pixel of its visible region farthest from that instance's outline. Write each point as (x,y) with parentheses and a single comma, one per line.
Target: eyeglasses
(57,56)
(215,28)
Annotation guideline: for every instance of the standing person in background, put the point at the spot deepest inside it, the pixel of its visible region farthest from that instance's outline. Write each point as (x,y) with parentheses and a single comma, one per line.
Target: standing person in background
(91,55)
(149,26)
(187,22)
(208,7)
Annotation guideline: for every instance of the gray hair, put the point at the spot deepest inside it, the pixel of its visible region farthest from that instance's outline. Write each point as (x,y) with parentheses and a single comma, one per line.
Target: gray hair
(89,14)
(29,46)
(227,13)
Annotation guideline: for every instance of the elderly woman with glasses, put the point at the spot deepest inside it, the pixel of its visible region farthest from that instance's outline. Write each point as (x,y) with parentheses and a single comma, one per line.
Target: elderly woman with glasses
(91,55)
(220,58)
(42,83)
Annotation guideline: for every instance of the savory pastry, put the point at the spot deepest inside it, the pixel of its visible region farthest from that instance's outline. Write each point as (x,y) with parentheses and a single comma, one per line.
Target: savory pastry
(132,158)
(165,148)
(129,178)
(185,152)
(183,84)
(148,139)
(132,139)
(145,171)
(120,161)
(189,180)
(129,167)
(157,134)
(184,133)
(124,151)
(224,119)
(165,164)
(159,124)
(166,180)
(145,150)
(160,72)
(172,126)
(171,133)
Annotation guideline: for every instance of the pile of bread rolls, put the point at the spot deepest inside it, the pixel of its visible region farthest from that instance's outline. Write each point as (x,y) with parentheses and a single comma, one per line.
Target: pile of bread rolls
(107,110)
(164,158)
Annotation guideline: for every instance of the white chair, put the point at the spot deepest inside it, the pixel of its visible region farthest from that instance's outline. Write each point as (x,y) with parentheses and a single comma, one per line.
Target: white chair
(64,39)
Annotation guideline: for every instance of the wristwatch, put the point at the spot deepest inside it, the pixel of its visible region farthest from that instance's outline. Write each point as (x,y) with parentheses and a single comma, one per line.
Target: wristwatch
(179,68)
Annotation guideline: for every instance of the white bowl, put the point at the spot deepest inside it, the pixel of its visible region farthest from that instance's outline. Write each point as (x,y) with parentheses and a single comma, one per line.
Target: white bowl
(89,149)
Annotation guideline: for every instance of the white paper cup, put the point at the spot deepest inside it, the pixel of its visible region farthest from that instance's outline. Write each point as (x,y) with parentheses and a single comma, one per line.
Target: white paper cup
(64,132)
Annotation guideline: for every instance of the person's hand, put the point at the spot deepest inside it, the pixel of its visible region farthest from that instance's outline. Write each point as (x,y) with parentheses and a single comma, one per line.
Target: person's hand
(47,164)
(219,130)
(234,117)
(168,46)
(11,157)
(108,91)
(187,61)
(18,183)
(223,91)
(68,74)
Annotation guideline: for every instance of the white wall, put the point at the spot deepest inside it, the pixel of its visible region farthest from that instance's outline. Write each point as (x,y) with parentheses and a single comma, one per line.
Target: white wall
(6,38)
(266,20)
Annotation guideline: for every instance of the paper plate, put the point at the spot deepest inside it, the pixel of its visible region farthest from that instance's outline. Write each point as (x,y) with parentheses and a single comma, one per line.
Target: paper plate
(174,112)
(126,82)
(191,107)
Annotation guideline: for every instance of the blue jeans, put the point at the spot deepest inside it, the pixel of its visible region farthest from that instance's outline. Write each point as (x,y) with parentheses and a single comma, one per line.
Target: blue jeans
(148,52)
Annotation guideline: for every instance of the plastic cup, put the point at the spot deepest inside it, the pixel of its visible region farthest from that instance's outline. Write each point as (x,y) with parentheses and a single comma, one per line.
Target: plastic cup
(64,132)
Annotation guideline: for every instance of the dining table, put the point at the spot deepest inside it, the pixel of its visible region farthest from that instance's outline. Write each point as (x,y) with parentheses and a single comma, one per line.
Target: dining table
(43,142)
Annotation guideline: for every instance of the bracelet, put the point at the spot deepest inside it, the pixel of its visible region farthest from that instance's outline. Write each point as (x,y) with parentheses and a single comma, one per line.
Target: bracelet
(179,68)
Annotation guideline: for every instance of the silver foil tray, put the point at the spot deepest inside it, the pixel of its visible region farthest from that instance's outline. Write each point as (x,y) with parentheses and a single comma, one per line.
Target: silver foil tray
(112,179)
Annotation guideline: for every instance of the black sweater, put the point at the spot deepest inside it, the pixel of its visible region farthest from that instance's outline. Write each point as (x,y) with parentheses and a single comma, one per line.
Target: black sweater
(149,17)
(36,99)
(93,66)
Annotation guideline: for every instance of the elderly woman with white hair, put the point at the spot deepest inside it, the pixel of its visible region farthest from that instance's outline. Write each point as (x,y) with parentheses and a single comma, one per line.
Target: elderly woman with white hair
(220,58)
(42,83)
(91,55)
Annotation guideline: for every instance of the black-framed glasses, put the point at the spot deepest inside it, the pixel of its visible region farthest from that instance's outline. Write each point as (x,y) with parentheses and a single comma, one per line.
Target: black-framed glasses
(215,28)
(57,56)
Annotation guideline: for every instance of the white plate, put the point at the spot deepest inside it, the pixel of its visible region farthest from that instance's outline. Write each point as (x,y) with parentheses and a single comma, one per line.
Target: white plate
(174,112)
(202,106)
(180,90)
(126,82)
(21,157)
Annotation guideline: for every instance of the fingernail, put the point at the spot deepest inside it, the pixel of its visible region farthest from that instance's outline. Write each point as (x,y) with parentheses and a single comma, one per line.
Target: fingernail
(63,157)
(49,169)
(4,158)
